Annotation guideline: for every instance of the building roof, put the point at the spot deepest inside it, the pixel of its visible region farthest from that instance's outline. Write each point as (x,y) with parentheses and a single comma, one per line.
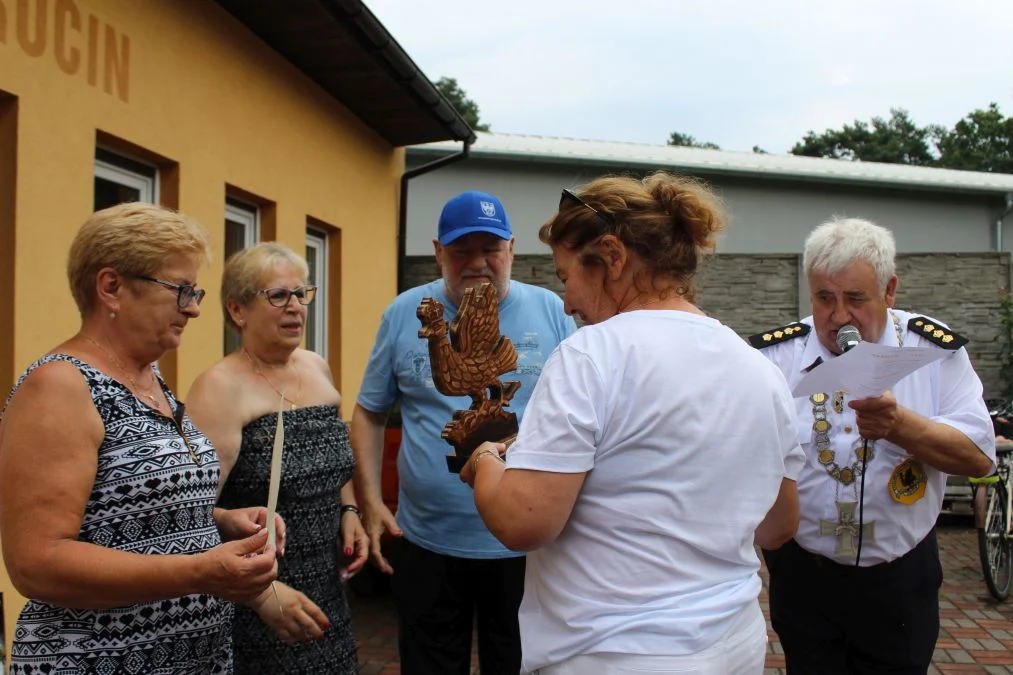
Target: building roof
(639,156)
(342,47)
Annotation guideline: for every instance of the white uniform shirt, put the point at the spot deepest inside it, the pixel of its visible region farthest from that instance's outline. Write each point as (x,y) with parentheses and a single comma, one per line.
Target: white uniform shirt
(947,390)
(685,433)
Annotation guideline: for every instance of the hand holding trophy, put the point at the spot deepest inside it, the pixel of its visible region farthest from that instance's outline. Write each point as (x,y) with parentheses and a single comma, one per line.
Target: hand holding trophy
(470,363)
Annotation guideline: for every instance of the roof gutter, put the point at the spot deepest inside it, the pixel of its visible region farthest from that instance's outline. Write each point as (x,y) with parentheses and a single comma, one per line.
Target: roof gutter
(402,217)
(375,38)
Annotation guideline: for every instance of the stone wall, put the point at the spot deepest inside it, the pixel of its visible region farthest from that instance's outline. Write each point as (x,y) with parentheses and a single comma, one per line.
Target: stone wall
(749,293)
(961,290)
(753,292)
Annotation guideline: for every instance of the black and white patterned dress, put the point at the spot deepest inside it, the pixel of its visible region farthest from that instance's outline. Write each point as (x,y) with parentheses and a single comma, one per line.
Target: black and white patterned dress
(317,460)
(149,497)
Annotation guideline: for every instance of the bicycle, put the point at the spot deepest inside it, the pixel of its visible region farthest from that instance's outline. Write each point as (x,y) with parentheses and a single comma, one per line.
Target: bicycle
(992,513)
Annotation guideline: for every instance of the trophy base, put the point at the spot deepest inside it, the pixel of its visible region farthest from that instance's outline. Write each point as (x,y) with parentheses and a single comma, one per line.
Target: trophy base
(497,430)
(455,463)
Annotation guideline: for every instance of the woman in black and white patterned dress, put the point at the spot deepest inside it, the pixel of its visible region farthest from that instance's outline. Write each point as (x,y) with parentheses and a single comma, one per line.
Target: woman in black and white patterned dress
(107,489)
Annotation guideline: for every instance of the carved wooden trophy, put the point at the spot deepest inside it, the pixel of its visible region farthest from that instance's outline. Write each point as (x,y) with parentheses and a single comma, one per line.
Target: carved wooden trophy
(470,363)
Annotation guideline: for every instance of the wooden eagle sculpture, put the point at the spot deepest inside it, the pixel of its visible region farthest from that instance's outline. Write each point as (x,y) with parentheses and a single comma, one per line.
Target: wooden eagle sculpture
(470,363)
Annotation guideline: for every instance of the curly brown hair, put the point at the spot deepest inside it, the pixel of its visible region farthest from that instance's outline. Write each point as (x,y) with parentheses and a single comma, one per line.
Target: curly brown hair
(669,222)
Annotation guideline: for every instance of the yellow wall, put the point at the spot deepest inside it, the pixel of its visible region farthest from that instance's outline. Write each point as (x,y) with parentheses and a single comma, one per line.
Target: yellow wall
(182,80)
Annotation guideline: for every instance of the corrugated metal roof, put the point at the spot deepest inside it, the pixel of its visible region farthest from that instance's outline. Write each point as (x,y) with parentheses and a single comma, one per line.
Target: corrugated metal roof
(556,150)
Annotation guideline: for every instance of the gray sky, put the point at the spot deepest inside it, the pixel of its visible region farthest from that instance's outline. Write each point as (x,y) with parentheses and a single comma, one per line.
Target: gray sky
(737,73)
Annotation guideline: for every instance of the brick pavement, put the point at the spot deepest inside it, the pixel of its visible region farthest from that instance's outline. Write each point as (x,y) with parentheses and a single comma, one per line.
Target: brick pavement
(975,635)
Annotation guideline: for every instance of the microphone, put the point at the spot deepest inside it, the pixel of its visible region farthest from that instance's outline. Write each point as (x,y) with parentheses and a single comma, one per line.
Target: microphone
(848,337)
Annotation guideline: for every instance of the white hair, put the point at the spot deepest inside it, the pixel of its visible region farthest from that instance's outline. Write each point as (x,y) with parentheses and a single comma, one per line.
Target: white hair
(840,242)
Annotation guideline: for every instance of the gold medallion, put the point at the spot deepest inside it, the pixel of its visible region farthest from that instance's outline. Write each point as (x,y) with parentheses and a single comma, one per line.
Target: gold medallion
(821,426)
(908,481)
(818,398)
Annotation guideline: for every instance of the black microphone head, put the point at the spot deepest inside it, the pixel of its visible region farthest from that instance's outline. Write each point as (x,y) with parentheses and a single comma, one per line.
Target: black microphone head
(847,337)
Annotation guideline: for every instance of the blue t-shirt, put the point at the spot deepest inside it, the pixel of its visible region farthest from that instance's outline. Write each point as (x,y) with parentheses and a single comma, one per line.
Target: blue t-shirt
(435,509)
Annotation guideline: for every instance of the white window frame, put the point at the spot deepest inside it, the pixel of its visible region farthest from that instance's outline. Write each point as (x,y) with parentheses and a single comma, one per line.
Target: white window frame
(146,186)
(247,215)
(316,240)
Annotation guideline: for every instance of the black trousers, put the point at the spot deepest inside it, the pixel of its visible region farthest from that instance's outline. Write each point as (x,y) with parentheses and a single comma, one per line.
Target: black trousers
(438,597)
(837,619)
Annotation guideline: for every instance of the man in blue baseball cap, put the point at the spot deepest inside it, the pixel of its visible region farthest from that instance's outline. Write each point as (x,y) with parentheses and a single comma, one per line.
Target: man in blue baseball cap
(449,567)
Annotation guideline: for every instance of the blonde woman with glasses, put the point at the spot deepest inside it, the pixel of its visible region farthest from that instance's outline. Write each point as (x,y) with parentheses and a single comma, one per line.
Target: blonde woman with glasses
(107,489)
(301,624)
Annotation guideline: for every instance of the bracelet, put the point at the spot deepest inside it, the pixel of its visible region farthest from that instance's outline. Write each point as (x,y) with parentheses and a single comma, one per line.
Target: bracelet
(349,508)
(474,460)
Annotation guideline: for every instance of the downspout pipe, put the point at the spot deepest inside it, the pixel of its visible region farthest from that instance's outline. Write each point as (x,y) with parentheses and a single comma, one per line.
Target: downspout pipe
(998,222)
(402,218)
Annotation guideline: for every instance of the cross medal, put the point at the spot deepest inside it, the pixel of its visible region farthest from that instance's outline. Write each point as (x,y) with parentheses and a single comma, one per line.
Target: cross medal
(845,528)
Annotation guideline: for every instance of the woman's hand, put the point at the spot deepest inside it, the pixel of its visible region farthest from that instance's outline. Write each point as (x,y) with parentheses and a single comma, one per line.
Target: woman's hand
(488,448)
(290,614)
(354,544)
(238,570)
(241,523)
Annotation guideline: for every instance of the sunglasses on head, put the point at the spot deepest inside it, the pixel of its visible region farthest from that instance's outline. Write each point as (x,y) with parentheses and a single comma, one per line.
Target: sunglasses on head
(571,197)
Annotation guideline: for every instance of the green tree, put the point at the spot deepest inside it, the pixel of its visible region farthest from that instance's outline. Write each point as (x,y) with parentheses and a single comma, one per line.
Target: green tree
(895,140)
(688,141)
(981,141)
(467,108)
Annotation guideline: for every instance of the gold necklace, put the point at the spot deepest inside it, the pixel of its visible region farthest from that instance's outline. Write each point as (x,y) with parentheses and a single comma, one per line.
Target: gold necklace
(641,305)
(258,371)
(156,404)
(135,388)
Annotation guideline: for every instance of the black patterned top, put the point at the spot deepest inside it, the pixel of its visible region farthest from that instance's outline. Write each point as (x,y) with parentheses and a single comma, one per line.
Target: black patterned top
(148,497)
(316,462)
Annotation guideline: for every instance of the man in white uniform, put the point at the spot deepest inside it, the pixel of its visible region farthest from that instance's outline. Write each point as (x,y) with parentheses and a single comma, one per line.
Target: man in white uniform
(857,590)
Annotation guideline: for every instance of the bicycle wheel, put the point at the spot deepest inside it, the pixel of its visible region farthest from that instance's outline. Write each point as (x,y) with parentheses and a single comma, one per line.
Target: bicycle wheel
(993,541)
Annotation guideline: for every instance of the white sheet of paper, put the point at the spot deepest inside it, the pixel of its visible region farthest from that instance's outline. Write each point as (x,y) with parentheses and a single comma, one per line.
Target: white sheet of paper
(866,370)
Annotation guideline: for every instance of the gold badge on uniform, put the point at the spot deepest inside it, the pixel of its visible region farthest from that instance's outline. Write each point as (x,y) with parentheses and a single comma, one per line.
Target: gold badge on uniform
(838,403)
(908,481)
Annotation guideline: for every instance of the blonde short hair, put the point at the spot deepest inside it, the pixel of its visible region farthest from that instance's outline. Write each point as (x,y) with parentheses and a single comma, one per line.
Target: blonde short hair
(246,270)
(132,238)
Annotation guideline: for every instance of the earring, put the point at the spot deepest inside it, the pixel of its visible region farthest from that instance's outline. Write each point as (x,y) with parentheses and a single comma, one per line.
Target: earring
(112,315)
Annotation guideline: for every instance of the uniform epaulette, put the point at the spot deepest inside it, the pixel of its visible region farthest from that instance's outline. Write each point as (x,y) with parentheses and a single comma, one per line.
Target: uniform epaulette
(936,333)
(778,335)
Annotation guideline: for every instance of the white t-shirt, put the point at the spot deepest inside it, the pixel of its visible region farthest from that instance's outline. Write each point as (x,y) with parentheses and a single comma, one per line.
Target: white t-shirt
(685,433)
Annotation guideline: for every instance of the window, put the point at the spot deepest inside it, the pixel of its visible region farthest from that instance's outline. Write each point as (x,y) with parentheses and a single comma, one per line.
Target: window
(120,179)
(316,318)
(242,229)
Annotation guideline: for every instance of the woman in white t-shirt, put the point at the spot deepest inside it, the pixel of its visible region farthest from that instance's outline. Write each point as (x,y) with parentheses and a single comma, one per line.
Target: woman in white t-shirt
(657,447)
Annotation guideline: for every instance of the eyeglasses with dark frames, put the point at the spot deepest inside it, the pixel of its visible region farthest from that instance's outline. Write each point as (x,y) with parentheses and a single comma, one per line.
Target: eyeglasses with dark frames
(280,297)
(569,196)
(185,293)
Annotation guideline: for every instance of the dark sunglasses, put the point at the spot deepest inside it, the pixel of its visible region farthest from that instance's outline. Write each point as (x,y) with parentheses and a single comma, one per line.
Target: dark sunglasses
(279,297)
(185,293)
(570,197)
